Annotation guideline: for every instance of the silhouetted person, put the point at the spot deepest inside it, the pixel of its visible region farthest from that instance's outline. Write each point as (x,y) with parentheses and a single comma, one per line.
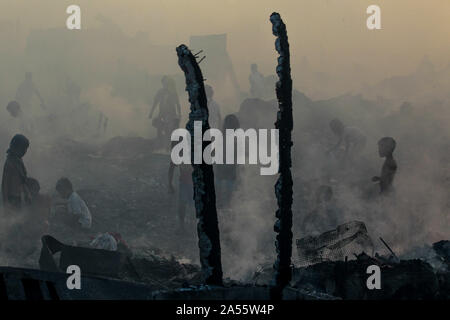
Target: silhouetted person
(27,89)
(102,124)
(185,189)
(39,211)
(386,147)
(23,122)
(256,80)
(352,138)
(15,191)
(77,212)
(169,110)
(14,109)
(215,118)
(73,93)
(325,213)
(226,174)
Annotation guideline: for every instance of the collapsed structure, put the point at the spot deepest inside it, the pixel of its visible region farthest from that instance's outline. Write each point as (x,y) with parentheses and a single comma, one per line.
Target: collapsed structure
(342,243)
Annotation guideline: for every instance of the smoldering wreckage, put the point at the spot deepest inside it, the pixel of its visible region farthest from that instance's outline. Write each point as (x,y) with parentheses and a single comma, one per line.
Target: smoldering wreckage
(329,266)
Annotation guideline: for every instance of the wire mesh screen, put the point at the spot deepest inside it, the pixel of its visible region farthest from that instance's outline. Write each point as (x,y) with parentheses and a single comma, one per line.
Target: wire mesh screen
(347,240)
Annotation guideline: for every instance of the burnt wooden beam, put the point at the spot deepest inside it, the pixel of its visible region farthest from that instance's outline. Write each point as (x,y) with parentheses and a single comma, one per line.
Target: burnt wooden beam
(283,186)
(202,175)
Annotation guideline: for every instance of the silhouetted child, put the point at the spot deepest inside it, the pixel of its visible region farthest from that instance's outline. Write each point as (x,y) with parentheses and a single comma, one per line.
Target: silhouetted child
(15,193)
(352,138)
(325,214)
(215,118)
(185,189)
(226,175)
(38,211)
(40,203)
(386,147)
(78,212)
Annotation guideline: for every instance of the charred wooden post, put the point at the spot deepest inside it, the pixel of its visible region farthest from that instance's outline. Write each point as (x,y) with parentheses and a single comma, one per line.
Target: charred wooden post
(202,175)
(283,186)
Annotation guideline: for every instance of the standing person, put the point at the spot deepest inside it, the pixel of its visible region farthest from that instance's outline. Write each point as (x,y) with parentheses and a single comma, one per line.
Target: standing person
(40,205)
(386,147)
(169,110)
(185,190)
(352,138)
(256,80)
(214,119)
(22,120)
(37,215)
(226,174)
(15,192)
(27,89)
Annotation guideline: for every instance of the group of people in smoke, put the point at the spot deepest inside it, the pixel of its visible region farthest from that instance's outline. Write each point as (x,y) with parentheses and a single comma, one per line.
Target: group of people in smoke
(28,208)
(23,102)
(354,141)
(21,194)
(168,118)
(325,213)
(351,141)
(32,116)
(167,121)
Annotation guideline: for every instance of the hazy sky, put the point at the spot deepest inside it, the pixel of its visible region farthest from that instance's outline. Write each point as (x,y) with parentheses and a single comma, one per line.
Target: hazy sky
(331,33)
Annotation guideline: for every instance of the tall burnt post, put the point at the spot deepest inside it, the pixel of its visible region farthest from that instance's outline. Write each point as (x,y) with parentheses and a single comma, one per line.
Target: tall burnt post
(283,186)
(202,175)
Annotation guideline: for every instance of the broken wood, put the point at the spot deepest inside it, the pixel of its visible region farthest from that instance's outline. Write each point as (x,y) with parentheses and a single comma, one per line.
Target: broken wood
(202,175)
(389,248)
(283,186)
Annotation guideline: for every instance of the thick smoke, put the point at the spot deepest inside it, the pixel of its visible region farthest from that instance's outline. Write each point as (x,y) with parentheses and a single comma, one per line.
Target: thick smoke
(340,69)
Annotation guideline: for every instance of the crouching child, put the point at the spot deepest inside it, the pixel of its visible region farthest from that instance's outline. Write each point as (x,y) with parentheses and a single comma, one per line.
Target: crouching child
(77,212)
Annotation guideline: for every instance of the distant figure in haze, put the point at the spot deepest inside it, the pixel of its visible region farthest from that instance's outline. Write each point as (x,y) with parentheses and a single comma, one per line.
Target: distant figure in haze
(352,138)
(15,192)
(27,89)
(14,109)
(73,93)
(23,122)
(386,147)
(324,215)
(39,212)
(78,214)
(215,119)
(169,110)
(102,125)
(185,189)
(256,82)
(226,174)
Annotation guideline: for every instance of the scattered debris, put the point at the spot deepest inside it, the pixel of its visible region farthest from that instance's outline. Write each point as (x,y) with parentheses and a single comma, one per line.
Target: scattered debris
(160,272)
(346,241)
(407,279)
(442,249)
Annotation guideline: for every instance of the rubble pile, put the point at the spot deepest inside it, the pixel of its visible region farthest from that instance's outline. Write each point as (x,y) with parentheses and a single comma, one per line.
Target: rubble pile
(342,243)
(144,267)
(163,273)
(334,264)
(407,279)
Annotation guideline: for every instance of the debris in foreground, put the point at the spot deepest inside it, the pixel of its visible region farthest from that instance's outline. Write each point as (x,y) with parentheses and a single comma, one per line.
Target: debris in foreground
(346,241)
